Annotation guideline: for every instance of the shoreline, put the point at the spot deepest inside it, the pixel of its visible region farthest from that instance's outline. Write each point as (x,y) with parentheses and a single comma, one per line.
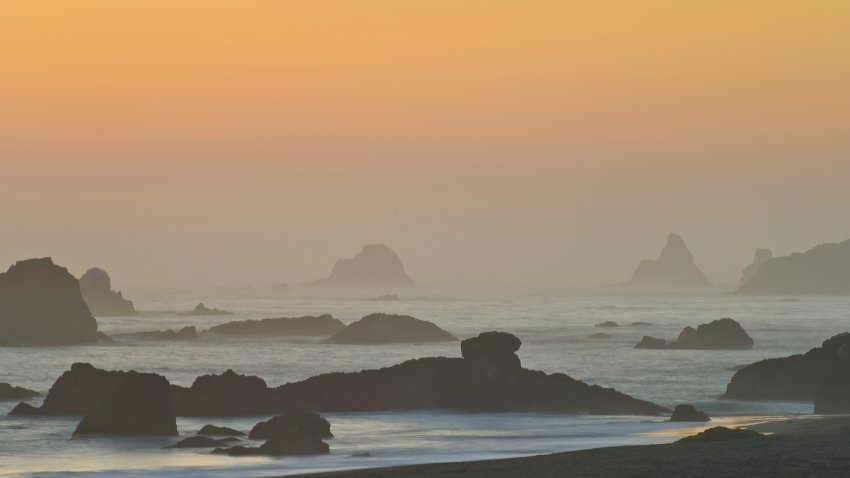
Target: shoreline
(792,446)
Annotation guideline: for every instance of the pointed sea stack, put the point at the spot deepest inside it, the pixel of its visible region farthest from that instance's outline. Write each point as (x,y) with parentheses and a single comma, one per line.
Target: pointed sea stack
(761,256)
(675,268)
(96,287)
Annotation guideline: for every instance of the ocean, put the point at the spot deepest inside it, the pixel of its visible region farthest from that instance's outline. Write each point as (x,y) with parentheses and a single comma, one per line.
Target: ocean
(553,325)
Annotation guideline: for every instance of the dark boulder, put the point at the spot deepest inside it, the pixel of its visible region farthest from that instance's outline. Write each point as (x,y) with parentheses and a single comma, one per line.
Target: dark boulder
(202,310)
(41,304)
(377,329)
(81,389)
(307,422)
(648,342)
(228,394)
(493,347)
(213,430)
(96,288)
(141,405)
(202,442)
(723,334)
(291,434)
(688,413)
(323,325)
(720,434)
(10,392)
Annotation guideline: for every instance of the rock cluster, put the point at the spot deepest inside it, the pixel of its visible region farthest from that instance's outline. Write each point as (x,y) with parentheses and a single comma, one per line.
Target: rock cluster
(291,434)
(723,334)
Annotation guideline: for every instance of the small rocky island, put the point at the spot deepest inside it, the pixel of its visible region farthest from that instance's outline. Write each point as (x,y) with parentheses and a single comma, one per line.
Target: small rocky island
(96,288)
(378,329)
(675,268)
(723,334)
(761,256)
(41,304)
(375,266)
(322,326)
(201,310)
(824,270)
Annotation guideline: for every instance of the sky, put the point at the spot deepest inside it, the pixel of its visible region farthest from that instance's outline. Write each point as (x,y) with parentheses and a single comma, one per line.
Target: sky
(255,142)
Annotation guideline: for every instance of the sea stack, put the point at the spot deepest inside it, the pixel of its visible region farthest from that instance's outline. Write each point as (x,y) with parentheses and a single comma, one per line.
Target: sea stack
(761,256)
(675,268)
(824,270)
(375,265)
(41,304)
(96,287)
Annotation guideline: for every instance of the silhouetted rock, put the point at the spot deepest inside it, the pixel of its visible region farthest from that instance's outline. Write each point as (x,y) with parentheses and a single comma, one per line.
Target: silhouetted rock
(323,325)
(25,409)
(308,422)
(386,329)
(202,310)
(599,335)
(10,392)
(202,442)
(824,270)
(375,265)
(607,324)
(96,288)
(674,268)
(797,377)
(493,347)
(228,394)
(81,389)
(40,304)
(219,431)
(186,333)
(688,413)
(723,334)
(832,396)
(387,298)
(761,256)
(141,405)
(720,434)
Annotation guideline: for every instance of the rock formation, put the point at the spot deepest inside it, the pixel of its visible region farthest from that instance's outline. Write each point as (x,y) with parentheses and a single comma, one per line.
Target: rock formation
(723,334)
(202,310)
(386,329)
(761,256)
(824,270)
(10,392)
(797,377)
(227,394)
(688,413)
(832,396)
(607,324)
(674,268)
(308,422)
(186,333)
(493,348)
(213,430)
(96,288)
(41,304)
(720,434)
(297,433)
(375,265)
(323,325)
(141,405)
(599,335)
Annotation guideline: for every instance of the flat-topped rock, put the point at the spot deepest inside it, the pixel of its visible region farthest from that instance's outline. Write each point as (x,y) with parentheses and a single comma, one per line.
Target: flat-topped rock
(41,304)
(323,326)
(675,268)
(11,392)
(96,288)
(377,329)
(141,405)
(375,265)
(823,270)
(722,334)
(202,311)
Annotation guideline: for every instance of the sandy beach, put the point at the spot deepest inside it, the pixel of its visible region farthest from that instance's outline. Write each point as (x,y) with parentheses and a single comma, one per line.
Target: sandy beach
(792,447)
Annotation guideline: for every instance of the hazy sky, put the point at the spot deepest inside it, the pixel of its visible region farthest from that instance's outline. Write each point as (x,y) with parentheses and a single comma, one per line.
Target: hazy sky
(258,141)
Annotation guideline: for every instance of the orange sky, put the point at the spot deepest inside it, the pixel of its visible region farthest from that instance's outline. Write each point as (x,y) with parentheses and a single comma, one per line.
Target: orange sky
(542,110)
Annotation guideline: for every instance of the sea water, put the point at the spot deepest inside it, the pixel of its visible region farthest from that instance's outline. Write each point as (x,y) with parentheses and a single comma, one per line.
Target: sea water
(553,325)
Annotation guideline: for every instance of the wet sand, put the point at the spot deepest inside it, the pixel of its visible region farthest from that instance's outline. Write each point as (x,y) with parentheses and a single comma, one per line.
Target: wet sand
(792,447)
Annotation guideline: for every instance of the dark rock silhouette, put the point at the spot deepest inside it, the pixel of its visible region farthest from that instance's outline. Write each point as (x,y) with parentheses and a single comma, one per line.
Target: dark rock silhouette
(41,304)
(674,268)
(10,392)
(797,377)
(823,270)
(599,335)
(25,409)
(200,441)
(228,394)
(96,288)
(323,325)
(761,256)
(202,310)
(493,348)
(186,333)
(723,334)
(607,324)
(720,434)
(308,422)
(80,390)
(832,396)
(213,430)
(141,405)
(688,413)
(375,265)
(385,329)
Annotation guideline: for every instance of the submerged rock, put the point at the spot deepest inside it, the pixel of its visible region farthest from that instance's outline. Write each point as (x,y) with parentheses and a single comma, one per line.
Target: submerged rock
(607,324)
(386,329)
(823,270)
(720,434)
(202,442)
(186,333)
(10,392)
(323,325)
(96,288)
(599,335)
(375,265)
(41,304)
(213,430)
(202,310)
(723,334)
(675,268)
(688,413)
(141,405)
(307,422)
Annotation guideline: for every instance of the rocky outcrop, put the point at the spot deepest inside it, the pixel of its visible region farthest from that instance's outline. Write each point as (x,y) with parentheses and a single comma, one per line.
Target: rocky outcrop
(213,430)
(378,329)
(80,390)
(308,422)
(688,413)
(721,434)
(675,268)
(298,433)
(832,396)
(323,326)
(141,405)
(824,270)
(493,348)
(761,256)
(599,335)
(224,395)
(203,311)
(797,377)
(723,334)
(96,288)
(186,333)
(10,392)
(375,265)
(607,324)
(41,304)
